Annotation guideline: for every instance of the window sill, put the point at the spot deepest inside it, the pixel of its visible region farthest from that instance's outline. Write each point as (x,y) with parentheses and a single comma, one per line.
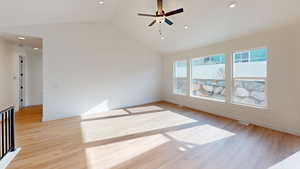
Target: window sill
(179,94)
(209,99)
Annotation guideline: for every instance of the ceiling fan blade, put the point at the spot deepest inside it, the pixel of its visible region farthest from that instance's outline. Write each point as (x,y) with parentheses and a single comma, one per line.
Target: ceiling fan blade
(152,23)
(169,22)
(149,15)
(177,11)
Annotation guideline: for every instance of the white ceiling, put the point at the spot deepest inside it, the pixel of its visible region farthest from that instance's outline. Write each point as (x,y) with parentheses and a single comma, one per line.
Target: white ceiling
(29,12)
(210,21)
(32,42)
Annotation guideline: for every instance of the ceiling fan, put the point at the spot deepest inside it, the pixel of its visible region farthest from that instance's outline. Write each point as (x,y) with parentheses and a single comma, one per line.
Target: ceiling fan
(160,15)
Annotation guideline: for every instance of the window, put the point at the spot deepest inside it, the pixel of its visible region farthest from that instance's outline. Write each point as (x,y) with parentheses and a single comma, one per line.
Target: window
(180,77)
(208,77)
(249,77)
(258,55)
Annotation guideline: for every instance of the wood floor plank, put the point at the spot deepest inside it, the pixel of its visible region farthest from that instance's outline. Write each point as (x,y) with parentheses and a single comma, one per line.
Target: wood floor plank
(155,136)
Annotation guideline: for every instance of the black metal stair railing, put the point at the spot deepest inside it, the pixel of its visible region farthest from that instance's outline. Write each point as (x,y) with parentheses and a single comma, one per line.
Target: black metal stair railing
(7,131)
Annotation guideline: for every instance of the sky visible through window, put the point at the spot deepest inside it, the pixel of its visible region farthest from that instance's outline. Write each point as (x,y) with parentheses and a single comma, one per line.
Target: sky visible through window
(211,60)
(257,55)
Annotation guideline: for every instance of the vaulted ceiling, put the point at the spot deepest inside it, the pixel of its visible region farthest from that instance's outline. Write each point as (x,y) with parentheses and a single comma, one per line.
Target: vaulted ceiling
(209,21)
(29,12)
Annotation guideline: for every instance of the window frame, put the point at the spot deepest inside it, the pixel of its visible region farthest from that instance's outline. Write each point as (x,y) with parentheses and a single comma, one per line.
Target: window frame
(249,78)
(191,79)
(174,77)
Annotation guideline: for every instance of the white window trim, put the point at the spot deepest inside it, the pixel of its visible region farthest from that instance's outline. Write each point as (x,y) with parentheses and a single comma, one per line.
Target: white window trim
(191,78)
(250,78)
(174,78)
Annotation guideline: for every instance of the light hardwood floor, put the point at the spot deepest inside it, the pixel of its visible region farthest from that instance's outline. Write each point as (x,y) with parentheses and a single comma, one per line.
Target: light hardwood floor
(156,136)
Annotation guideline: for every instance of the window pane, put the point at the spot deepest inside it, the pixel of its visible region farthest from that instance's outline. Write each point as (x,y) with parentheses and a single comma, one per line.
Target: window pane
(241,57)
(180,77)
(249,92)
(256,67)
(181,86)
(208,77)
(258,55)
(181,69)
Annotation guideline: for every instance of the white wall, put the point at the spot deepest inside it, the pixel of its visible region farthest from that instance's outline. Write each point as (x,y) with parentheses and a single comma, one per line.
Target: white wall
(93,67)
(283,80)
(33,77)
(8,72)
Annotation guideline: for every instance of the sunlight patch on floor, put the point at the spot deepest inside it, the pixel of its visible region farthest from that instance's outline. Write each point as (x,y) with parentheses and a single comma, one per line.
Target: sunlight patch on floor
(96,130)
(105,114)
(292,162)
(144,109)
(200,135)
(110,155)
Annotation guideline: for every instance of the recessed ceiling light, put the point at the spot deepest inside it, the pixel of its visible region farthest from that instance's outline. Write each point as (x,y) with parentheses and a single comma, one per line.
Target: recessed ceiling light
(35,48)
(162,38)
(186,27)
(232,5)
(100,2)
(21,38)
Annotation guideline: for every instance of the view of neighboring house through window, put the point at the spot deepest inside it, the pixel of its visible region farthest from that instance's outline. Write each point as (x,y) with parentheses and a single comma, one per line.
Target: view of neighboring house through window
(208,77)
(180,77)
(249,77)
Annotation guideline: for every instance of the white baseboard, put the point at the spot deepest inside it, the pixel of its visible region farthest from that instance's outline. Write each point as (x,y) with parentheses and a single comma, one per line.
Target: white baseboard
(255,122)
(246,123)
(8,158)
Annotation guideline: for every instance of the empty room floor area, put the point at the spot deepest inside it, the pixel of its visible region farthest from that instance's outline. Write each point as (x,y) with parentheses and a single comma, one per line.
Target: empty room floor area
(154,136)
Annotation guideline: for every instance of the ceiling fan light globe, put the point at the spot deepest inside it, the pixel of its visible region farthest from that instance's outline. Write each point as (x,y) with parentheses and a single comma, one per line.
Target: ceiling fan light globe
(160,19)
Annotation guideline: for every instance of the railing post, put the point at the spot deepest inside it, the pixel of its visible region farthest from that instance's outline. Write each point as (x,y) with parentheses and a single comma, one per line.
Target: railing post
(3,136)
(13,138)
(8,139)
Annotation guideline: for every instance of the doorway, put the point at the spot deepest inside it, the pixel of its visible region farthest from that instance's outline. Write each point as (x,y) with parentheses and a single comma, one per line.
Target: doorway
(21,69)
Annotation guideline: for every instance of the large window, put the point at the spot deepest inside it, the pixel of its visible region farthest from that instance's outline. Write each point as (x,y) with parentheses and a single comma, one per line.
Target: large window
(249,77)
(180,77)
(208,77)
